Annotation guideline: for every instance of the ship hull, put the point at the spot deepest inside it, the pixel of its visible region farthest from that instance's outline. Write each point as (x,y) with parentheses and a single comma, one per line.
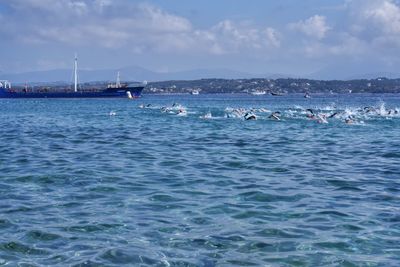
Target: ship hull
(107,93)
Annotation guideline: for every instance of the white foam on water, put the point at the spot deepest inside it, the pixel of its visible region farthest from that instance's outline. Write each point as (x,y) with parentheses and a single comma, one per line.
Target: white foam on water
(330,107)
(176,106)
(263,110)
(382,109)
(299,107)
(182,112)
(235,112)
(208,115)
(322,118)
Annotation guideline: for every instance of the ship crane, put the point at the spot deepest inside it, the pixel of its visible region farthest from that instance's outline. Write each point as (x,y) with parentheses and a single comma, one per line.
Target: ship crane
(76,73)
(5,84)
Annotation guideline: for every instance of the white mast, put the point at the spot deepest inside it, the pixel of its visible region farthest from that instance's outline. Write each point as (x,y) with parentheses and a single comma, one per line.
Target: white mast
(118,84)
(76,73)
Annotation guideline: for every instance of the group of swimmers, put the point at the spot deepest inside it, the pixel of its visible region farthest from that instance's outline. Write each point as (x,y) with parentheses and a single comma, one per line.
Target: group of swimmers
(349,117)
(176,109)
(244,113)
(251,114)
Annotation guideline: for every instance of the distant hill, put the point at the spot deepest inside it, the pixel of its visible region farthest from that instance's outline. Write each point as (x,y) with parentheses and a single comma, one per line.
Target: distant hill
(131,73)
(136,73)
(389,75)
(354,71)
(277,86)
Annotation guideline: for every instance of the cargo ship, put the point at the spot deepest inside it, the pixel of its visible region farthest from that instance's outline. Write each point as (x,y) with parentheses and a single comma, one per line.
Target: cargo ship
(117,89)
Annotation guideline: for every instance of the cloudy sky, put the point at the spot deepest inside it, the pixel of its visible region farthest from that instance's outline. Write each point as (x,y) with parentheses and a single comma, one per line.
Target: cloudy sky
(338,37)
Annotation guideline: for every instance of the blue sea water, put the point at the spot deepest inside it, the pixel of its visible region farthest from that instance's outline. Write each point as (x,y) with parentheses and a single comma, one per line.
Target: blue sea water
(114,182)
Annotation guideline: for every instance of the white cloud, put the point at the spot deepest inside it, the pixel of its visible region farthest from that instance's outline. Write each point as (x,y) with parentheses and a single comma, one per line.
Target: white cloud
(228,37)
(371,30)
(141,27)
(101,5)
(376,22)
(314,26)
(49,8)
(157,20)
(79,7)
(349,46)
(383,14)
(96,23)
(373,16)
(272,37)
(232,38)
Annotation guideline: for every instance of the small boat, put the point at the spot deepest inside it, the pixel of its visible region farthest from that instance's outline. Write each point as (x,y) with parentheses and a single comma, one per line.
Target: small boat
(195,92)
(258,92)
(113,90)
(307,95)
(276,93)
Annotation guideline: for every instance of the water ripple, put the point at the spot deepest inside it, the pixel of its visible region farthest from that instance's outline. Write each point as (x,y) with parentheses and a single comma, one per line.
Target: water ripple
(149,188)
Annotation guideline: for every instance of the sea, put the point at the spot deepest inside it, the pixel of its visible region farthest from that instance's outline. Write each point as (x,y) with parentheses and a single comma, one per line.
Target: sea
(187,180)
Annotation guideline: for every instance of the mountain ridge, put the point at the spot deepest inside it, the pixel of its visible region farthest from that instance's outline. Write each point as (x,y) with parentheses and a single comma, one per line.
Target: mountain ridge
(137,73)
(128,73)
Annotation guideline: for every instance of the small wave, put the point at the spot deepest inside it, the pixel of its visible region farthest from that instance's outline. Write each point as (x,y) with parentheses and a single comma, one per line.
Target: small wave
(120,256)
(23,249)
(42,236)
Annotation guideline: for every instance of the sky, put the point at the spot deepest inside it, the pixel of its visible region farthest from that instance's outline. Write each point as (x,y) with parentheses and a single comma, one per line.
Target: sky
(330,38)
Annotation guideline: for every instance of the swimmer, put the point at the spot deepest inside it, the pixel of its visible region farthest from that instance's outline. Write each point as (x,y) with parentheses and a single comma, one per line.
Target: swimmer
(311,114)
(275,116)
(181,112)
(368,109)
(163,109)
(250,116)
(145,106)
(349,120)
(333,115)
